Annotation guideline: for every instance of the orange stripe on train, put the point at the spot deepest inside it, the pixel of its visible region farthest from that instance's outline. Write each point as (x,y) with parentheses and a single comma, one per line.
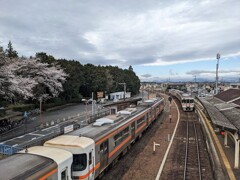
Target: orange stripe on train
(119,146)
(89,172)
(48,174)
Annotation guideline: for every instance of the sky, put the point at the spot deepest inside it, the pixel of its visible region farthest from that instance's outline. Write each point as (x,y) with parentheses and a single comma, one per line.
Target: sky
(162,39)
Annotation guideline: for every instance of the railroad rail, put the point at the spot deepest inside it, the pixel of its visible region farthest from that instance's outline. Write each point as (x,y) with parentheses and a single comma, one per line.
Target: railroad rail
(192,165)
(188,157)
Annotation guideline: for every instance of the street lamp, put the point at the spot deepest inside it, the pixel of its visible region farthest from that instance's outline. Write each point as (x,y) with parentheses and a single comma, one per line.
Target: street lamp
(124,90)
(218,57)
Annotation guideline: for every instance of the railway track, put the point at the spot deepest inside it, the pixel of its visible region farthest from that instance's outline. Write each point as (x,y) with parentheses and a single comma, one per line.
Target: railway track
(188,157)
(192,165)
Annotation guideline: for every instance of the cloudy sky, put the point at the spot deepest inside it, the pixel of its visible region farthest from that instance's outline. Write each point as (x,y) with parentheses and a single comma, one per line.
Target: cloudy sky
(161,39)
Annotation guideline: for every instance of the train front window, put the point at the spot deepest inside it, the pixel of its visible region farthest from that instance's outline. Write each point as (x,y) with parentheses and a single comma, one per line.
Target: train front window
(79,162)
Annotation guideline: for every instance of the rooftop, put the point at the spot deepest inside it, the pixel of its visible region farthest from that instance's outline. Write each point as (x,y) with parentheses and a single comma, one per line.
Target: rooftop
(223,109)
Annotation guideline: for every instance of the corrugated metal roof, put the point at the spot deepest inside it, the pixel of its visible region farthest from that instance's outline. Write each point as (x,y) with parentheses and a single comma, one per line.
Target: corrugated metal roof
(216,116)
(229,95)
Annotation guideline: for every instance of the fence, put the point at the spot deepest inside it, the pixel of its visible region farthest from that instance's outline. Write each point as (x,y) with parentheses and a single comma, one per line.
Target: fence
(8,150)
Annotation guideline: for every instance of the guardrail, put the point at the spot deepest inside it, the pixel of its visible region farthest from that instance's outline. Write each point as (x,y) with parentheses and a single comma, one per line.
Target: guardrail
(8,150)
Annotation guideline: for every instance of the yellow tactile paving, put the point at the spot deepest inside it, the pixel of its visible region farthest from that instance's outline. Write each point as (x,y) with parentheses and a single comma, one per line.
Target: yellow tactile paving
(223,156)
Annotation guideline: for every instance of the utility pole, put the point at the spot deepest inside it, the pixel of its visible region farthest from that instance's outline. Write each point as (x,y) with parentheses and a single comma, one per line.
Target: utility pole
(92,105)
(218,57)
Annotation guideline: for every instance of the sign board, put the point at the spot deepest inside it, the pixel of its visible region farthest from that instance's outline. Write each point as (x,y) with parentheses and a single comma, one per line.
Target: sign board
(68,129)
(100,94)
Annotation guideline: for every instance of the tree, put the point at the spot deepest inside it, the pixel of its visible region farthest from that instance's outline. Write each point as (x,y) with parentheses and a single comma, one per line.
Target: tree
(10,52)
(25,78)
(44,58)
(130,68)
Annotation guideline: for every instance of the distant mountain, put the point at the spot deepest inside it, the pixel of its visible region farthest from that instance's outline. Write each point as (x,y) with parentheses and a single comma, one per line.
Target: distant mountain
(205,79)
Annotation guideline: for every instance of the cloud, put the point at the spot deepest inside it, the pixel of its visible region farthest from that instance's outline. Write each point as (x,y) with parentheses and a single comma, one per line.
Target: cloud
(123,33)
(199,72)
(146,75)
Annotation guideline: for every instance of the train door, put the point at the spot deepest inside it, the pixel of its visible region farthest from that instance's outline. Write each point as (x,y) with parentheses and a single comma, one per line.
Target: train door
(91,165)
(133,131)
(103,155)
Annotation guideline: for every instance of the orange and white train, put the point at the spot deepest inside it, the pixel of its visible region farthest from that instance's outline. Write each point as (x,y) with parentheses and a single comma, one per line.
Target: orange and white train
(87,152)
(186,100)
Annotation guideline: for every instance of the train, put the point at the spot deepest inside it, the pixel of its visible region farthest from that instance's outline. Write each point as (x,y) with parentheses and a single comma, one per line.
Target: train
(186,100)
(85,153)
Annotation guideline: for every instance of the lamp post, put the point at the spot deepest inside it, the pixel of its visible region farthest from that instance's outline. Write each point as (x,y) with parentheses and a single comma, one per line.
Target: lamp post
(218,57)
(124,90)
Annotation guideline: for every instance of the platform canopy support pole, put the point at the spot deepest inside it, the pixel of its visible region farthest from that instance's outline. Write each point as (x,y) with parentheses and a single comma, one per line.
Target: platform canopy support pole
(236,159)
(225,139)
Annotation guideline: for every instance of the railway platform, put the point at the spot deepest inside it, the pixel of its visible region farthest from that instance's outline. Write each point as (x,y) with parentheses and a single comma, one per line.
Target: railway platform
(222,113)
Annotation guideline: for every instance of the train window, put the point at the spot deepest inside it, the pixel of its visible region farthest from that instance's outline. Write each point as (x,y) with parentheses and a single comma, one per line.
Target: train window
(125,133)
(191,101)
(90,158)
(140,121)
(79,162)
(184,101)
(118,138)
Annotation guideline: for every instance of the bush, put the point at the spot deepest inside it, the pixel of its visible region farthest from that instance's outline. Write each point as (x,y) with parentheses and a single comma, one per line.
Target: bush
(76,100)
(23,107)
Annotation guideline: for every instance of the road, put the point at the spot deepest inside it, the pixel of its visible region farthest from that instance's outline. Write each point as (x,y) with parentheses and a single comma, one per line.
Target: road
(47,117)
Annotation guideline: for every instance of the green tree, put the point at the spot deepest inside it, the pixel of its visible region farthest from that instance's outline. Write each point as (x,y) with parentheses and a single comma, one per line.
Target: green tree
(10,52)
(75,79)
(130,68)
(44,58)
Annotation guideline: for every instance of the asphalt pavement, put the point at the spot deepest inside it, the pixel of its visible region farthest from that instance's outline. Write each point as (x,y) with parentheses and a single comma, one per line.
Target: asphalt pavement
(34,122)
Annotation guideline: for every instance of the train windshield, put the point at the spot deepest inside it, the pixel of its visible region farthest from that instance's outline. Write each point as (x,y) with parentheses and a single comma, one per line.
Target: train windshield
(79,162)
(187,101)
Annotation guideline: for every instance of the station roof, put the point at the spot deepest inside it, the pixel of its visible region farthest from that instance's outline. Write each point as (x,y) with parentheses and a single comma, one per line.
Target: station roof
(132,100)
(223,109)
(229,95)
(216,116)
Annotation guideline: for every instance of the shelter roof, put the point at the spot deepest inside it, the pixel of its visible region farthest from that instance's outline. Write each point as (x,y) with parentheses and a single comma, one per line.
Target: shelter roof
(216,116)
(229,95)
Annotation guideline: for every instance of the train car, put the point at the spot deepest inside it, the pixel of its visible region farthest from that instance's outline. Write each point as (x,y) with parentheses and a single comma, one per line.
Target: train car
(186,100)
(37,163)
(96,146)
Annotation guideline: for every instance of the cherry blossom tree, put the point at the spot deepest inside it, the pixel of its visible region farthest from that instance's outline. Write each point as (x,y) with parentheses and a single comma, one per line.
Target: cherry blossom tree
(29,78)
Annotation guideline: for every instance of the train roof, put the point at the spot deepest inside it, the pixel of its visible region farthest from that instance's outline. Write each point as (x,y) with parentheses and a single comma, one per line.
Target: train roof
(181,94)
(97,132)
(22,166)
(58,155)
(69,140)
